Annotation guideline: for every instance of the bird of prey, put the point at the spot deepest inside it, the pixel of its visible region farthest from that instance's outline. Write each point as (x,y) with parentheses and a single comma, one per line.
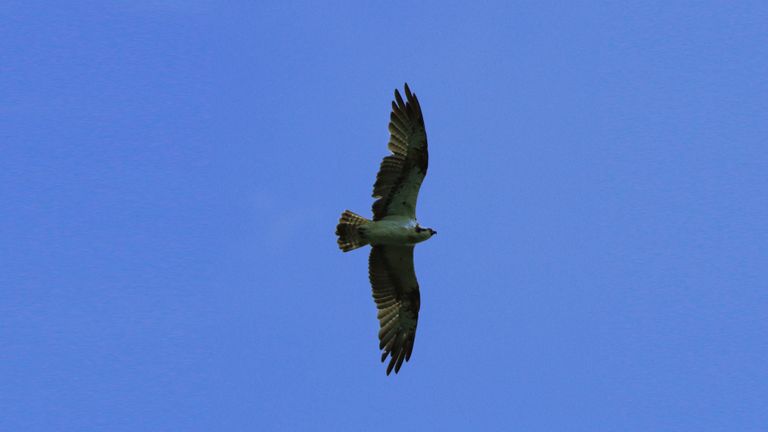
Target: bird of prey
(394,231)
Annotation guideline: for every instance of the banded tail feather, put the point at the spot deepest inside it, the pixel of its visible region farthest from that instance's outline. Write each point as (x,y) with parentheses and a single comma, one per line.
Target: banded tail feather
(348,230)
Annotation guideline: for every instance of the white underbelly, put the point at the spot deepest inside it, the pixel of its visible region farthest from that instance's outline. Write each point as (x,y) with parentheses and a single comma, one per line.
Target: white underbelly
(391,233)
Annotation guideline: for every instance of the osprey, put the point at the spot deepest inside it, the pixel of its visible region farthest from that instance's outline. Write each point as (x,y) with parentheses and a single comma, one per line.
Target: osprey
(394,231)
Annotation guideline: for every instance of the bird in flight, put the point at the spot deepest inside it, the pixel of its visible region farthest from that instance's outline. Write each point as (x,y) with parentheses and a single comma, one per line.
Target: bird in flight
(394,231)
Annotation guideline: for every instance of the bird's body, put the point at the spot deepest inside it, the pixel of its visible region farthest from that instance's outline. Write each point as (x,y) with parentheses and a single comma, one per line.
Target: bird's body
(394,231)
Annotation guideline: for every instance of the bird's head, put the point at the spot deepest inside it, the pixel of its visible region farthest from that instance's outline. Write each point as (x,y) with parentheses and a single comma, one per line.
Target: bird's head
(425,233)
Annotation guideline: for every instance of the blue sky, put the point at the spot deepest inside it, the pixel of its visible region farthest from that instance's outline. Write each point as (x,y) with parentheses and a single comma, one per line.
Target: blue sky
(172,173)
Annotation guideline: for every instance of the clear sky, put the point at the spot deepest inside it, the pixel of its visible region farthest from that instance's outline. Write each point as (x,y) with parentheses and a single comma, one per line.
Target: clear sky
(172,173)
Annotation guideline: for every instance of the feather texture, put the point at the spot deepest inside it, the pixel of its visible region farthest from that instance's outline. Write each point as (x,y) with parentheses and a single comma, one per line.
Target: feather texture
(400,175)
(396,293)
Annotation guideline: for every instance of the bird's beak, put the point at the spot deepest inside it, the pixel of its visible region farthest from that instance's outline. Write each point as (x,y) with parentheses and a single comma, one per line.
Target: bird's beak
(434,232)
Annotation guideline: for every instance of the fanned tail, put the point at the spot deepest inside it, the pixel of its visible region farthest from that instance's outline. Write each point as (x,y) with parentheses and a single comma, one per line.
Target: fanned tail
(349,232)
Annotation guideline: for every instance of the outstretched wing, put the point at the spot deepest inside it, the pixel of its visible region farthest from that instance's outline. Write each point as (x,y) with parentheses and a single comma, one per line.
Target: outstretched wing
(400,175)
(396,293)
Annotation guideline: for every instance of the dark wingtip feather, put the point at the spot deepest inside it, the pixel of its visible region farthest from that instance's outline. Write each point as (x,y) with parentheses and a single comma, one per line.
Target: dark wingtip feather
(399,99)
(391,365)
(409,348)
(399,363)
(408,93)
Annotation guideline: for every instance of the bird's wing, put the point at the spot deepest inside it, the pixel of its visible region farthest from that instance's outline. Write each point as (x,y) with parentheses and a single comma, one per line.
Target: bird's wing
(396,293)
(401,173)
